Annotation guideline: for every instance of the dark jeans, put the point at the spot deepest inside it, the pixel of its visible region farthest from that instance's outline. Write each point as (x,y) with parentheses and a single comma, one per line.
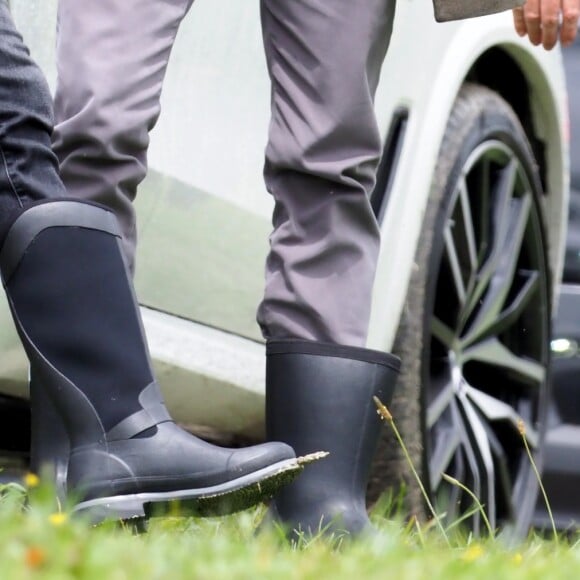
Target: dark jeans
(28,167)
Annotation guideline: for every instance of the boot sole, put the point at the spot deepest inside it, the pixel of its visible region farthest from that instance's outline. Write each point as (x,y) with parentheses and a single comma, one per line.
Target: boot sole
(223,499)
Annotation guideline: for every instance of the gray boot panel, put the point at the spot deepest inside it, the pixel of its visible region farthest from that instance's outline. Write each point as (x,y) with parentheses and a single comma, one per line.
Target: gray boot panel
(39,217)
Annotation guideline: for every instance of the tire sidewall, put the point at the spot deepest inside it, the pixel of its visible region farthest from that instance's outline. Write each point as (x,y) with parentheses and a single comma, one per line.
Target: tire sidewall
(478,115)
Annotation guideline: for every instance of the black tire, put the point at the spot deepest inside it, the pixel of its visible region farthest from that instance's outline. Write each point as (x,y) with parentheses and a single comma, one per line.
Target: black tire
(474,335)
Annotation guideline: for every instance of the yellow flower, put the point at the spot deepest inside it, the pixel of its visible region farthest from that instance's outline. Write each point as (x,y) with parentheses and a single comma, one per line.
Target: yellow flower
(518,558)
(57,519)
(31,480)
(474,552)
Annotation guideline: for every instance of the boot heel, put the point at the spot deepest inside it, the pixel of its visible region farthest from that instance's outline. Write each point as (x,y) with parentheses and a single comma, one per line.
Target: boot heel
(118,508)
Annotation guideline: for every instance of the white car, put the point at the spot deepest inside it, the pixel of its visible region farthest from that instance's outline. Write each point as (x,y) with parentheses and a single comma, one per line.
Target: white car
(471,196)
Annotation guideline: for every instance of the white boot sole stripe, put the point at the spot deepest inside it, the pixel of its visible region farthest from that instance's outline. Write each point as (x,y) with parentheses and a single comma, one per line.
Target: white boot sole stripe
(133,505)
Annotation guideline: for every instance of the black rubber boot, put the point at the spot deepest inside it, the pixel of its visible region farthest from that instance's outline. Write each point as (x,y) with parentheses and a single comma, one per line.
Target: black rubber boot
(75,311)
(320,396)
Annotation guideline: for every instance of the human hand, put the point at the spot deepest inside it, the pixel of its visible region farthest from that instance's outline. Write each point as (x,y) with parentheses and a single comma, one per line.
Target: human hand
(546,21)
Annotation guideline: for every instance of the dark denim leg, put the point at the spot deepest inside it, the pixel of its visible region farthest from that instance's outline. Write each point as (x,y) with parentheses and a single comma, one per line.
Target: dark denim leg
(28,167)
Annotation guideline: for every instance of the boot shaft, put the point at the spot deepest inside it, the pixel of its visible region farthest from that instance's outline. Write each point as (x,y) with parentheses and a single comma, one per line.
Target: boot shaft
(320,398)
(76,313)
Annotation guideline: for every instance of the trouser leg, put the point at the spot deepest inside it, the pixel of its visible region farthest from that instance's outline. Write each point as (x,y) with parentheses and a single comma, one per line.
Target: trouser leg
(324,146)
(28,167)
(111,56)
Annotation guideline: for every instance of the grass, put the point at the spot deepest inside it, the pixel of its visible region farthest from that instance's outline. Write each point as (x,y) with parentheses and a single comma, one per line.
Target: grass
(37,541)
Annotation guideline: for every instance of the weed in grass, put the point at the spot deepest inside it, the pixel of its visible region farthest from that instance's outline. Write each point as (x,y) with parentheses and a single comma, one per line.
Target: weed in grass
(31,546)
(522,431)
(385,414)
(39,539)
(478,504)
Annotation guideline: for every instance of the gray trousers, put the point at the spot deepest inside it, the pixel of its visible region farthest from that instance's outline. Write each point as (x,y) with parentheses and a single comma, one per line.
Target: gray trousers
(324,58)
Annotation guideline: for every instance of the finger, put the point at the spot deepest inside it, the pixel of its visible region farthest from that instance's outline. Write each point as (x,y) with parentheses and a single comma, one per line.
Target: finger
(569,26)
(550,14)
(519,21)
(532,17)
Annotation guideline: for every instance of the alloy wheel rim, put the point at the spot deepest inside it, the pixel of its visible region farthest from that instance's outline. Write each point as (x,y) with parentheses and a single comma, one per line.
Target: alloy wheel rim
(488,355)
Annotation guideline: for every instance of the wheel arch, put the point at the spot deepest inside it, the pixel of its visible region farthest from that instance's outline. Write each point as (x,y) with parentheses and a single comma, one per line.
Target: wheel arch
(532,83)
(513,86)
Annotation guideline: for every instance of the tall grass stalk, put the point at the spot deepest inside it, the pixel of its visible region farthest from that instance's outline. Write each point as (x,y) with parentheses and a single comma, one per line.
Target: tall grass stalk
(522,430)
(456,482)
(385,414)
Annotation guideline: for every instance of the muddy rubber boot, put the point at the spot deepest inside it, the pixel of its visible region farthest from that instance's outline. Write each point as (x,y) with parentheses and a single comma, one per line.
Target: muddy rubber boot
(320,397)
(76,313)
(446,10)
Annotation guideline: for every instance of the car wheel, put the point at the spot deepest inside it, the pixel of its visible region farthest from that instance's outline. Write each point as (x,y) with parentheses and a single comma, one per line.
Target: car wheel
(474,336)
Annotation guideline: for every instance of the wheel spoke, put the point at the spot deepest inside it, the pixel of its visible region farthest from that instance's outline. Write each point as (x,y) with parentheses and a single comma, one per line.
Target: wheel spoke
(504,484)
(495,410)
(505,265)
(502,195)
(459,474)
(453,258)
(447,445)
(473,467)
(482,452)
(442,332)
(511,314)
(500,229)
(460,245)
(468,225)
(441,402)
(492,352)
